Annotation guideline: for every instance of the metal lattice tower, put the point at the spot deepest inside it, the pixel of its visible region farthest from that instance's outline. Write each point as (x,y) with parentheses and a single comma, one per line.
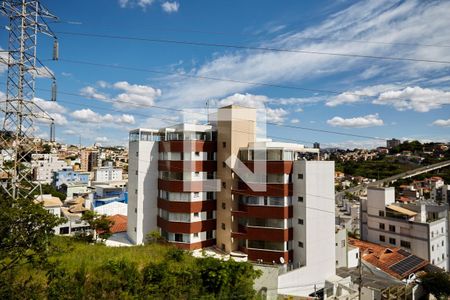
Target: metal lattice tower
(20,112)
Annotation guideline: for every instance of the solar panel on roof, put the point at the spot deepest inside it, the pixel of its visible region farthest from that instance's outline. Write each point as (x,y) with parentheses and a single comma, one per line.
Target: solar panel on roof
(408,264)
(404,252)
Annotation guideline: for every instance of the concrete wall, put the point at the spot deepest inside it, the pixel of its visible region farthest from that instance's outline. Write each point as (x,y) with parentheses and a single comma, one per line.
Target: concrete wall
(236,127)
(142,189)
(316,254)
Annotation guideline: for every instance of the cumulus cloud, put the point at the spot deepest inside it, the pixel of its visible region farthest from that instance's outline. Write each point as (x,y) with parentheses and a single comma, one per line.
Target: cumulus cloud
(135,94)
(91,92)
(245,100)
(295,121)
(442,123)
(129,94)
(276,115)
(69,132)
(357,122)
(414,98)
(170,7)
(88,116)
(49,106)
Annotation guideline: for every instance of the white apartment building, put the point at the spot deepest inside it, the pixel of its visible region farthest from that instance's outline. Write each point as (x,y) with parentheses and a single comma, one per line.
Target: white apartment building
(182,184)
(420,227)
(44,165)
(108,174)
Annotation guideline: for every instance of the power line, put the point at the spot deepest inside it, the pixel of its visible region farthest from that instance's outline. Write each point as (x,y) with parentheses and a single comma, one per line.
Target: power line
(222,45)
(184,110)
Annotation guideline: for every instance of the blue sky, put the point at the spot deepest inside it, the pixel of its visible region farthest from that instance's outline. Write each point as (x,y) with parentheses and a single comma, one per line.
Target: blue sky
(379,98)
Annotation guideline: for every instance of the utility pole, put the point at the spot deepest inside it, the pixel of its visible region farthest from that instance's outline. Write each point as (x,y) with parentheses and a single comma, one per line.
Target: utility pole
(27,18)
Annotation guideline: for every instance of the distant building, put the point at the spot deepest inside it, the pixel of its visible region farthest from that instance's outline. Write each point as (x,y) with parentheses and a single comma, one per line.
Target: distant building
(108,174)
(419,227)
(316,145)
(69,176)
(89,159)
(392,143)
(44,165)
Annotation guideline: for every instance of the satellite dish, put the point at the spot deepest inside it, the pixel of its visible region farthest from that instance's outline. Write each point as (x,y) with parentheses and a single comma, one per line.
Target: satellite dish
(282,260)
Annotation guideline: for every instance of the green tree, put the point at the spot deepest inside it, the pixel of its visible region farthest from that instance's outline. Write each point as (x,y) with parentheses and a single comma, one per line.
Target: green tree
(436,283)
(25,232)
(98,224)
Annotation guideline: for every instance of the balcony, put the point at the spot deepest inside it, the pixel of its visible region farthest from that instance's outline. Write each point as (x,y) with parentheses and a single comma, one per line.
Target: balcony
(187,166)
(188,146)
(180,227)
(178,186)
(271,190)
(187,207)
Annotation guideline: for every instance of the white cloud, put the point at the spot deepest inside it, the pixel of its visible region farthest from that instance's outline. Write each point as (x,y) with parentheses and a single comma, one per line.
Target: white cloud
(357,122)
(170,7)
(101,139)
(49,106)
(123,3)
(70,132)
(3,60)
(135,95)
(66,74)
(295,121)
(245,100)
(276,115)
(91,92)
(414,98)
(442,123)
(343,98)
(88,116)
(387,21)
(144,3)
(58,118)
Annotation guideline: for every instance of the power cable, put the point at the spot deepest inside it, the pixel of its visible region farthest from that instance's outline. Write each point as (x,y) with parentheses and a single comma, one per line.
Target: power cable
(221,45)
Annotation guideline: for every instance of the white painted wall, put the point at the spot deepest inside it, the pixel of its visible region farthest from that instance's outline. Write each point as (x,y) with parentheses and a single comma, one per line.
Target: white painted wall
(317,257)
(142,189)
(113,208)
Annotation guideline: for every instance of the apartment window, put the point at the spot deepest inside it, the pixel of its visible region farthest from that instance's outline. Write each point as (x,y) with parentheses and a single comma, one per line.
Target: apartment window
(300,244)
(405,244)
(443,256)
(442,243)
(299,176)
(135,191)
(137,154)
(392,241)
(381,213)
(197,153)
(382,238)
(136,172)
(224,184)
(224,206)
(134,229)
(209,235)
(300,221)
(442,230)
(300,199)
(381,226)
(196,234)
(196,214)
(178,237)
(224,144)
(343,243)
(224,164)
(196,194)
(223,226)
(135,209)
(432,248)
(392,228)
(432,234)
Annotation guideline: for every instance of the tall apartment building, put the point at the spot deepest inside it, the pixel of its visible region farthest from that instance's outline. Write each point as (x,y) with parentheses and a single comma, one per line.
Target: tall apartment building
(88,159)
(44,165)
(420,227)
(107,174)
(183,184)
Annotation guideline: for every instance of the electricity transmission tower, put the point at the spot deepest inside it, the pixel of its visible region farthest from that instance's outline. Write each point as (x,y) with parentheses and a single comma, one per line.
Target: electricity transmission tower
(27,18)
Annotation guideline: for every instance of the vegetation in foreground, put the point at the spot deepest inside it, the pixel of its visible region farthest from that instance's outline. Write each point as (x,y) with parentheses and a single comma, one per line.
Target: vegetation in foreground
(34,264)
